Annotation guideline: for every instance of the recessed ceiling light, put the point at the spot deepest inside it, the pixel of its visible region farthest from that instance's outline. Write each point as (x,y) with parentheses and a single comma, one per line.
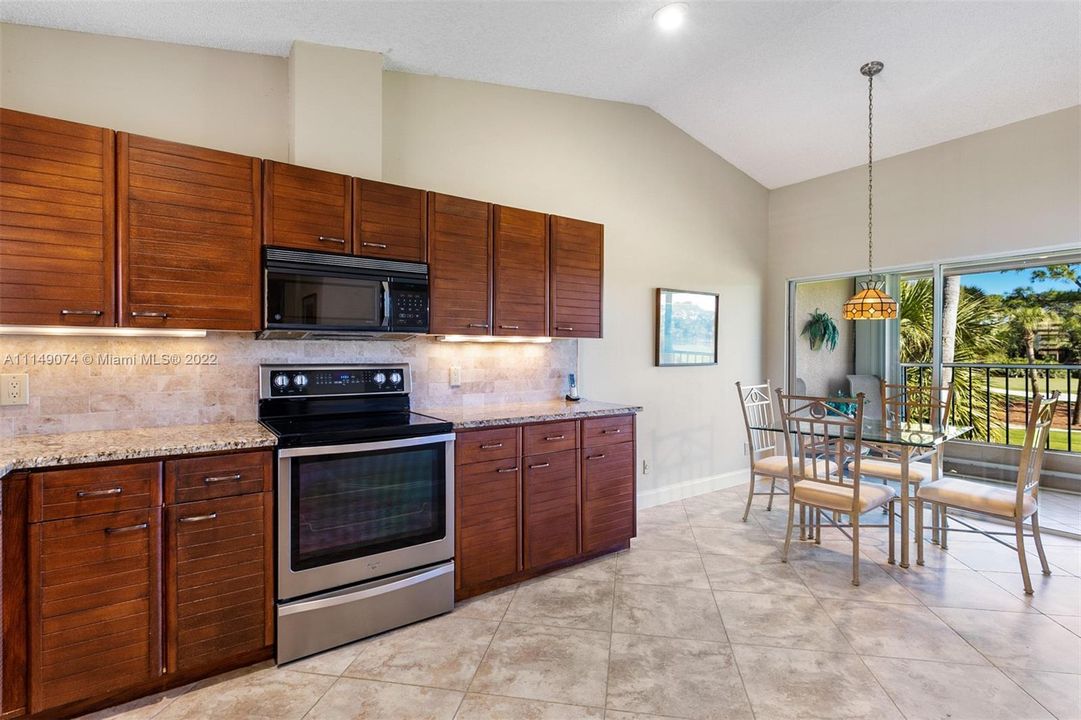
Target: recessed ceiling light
(670,17)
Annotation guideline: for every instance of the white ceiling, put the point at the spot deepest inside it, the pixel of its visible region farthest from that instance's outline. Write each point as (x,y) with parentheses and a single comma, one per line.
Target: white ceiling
(773,87)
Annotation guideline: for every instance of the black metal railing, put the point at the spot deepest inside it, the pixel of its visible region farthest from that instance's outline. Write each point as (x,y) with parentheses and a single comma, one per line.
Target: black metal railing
(995,399)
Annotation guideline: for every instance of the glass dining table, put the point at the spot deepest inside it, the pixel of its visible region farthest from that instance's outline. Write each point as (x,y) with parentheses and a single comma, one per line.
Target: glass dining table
(904,443)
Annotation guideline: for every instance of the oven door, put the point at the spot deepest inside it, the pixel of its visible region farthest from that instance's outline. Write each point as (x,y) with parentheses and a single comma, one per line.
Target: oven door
(325,300)
(348,513)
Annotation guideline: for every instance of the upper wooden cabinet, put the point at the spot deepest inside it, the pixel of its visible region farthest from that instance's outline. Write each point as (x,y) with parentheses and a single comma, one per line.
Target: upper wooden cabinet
(189,229)
(460,253)
(307,209)
(57,222)
(577,266)
(389,221)
(520,275)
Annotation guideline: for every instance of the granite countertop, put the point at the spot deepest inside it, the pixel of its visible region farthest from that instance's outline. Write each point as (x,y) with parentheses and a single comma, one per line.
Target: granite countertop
(481,416)
(39,451)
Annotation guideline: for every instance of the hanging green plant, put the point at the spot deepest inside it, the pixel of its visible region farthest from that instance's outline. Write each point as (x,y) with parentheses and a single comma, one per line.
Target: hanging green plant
(820,329)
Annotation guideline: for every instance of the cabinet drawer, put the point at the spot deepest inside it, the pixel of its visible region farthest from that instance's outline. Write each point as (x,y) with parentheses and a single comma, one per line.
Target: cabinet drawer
(218,605)
(550,507)
(93,606)
(607,496)
(480,445)
(203,478)
(80,492)
(549,437)
(607,430)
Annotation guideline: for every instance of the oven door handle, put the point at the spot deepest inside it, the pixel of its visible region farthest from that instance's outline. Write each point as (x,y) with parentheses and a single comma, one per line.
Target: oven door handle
(386,303)
(351,597)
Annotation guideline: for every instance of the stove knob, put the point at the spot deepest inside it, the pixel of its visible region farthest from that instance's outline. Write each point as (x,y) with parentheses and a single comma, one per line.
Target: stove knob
(281,381)
(395,378)
(379,378)
(300,380)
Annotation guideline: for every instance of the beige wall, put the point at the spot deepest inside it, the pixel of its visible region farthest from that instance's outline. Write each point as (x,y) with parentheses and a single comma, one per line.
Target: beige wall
(823,371)
(1007,190)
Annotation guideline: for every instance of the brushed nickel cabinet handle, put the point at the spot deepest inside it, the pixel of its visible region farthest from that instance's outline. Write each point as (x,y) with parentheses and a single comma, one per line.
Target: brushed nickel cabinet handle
(617,431)
(99,493)
(556,437)
(477,325)
(602,456)
(507,470)
(149,314)
(95,313)
(509,327)
(198,518)
(539,465)
(221,478)
(324,238)
(129,528)
(381,246)
(491,446)
(564,327)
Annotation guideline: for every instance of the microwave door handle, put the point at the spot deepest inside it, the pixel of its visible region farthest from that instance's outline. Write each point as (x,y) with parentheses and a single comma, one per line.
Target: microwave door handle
(386,304)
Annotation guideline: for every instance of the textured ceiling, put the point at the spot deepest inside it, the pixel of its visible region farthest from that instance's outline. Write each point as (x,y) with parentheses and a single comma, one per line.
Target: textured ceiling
(773,87)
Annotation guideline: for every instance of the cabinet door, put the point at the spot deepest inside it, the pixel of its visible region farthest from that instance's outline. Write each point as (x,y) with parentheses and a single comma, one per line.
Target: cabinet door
(520,276)
(57,222)
(607,496)
(488,499)
(460,257)
(189,222)
(218,580)
(307,209)
(577,266)
(389,221)
(94,606)
(550,507)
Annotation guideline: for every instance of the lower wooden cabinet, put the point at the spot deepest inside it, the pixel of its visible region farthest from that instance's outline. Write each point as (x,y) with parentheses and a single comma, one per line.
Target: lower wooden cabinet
(488,521)
(607,495)
(550,508)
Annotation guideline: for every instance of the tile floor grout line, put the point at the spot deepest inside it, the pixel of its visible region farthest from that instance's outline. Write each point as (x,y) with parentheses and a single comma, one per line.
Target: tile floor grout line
(499,624)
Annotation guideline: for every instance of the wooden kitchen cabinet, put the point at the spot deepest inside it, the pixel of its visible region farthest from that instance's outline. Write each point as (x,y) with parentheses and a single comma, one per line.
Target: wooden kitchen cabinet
(57,222)
(576,282)
(488,499)
(460,272)
(390,222)
(550,508)
(189,223)
(307,209)
(608,507)
(520,272)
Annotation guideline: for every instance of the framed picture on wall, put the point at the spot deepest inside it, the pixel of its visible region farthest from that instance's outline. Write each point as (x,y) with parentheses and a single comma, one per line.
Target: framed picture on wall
(686,328)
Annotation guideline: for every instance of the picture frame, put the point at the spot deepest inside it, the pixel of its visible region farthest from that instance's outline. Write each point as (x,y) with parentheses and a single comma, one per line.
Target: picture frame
(686,327)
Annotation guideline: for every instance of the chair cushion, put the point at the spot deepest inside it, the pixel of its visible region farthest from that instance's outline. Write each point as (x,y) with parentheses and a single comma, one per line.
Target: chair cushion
(978,497)
(918,472)
(777,466)
(839,497)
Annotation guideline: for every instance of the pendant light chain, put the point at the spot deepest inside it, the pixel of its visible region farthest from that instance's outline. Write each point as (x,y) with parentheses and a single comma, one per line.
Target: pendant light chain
(870,173)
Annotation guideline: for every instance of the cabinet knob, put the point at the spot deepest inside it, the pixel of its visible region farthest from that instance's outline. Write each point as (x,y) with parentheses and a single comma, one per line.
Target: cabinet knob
(221,478)
(128,528)
(198,518)
(324,238)
(507,470)
(381,246)
(491,446)
(99,493)
(477,325)
(149,314)
(94,313)
(539,465)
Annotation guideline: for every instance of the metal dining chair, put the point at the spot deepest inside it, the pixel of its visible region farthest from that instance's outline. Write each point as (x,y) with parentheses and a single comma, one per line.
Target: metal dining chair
(756,401)
(821,439)
(1015,504)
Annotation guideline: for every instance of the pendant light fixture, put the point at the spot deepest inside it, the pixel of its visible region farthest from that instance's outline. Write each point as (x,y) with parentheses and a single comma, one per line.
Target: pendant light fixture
(871,301)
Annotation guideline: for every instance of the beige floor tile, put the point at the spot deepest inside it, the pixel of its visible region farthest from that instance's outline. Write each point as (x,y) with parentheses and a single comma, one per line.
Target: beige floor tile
(832,580)
(726,516)
(1070,622)
(956,587)
(746,541)
(1057,594)
(736,574)
(331,662)
(564,602)
(667,611)
(672,512)
(786,684)
(602,569)
(684,678)
(443,652)
(900,631)
(141,709)
(620,715)
(730,497)
(1060,693)
(829,551)
(664,536)
(545,663)
(660,567)
(991,556)
(489,606)
(266,694)
(355,699)
(1022,640)
(934,690)
(779,621)
(490,707)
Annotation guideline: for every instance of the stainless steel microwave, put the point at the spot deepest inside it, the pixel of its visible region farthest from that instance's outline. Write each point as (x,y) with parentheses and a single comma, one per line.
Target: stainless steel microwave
(313,294)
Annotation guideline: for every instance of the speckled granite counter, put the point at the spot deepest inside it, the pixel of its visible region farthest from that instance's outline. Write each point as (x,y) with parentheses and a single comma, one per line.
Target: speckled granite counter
(482,416)
(38,451)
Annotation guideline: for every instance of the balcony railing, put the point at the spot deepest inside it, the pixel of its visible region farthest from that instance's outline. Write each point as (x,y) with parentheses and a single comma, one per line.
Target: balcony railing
(996,399)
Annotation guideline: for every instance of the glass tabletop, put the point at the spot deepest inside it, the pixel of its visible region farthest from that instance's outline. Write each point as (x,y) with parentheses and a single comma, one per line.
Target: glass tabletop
(914,434)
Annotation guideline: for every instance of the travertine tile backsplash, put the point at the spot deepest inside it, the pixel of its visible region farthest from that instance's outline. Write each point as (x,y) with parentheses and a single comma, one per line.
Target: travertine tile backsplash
(121,387)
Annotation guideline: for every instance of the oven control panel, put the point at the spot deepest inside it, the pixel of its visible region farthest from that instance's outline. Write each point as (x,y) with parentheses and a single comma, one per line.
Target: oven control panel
(280,381)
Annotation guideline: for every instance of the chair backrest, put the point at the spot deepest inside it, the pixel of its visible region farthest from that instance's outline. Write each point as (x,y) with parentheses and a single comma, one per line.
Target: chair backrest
(756,401)
(818,433)
(1040,418)
(916,403)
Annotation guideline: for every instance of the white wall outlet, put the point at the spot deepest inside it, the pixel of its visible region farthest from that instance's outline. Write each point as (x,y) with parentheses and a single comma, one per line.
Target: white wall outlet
(455,376)
(15,389)
(645,468)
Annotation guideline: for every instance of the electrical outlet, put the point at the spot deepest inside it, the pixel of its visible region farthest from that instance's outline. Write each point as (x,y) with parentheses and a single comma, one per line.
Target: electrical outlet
(15,389)
(645,468)
(455,376)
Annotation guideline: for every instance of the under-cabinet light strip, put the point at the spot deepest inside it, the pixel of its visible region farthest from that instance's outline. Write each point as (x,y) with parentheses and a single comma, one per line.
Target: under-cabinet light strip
(97,332)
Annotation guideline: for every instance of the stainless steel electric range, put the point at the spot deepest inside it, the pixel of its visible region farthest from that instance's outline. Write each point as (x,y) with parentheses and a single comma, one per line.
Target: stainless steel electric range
(365,503)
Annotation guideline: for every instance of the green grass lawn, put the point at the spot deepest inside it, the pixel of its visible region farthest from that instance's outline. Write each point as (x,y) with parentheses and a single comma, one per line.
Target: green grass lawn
(1018,383)
(1058,438)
